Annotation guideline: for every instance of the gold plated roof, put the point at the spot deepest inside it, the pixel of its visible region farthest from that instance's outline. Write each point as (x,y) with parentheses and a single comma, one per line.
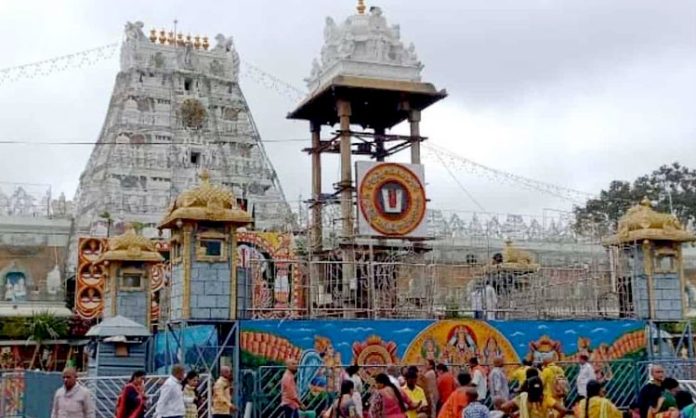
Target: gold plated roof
(642,222)
(515,259)
(206,202)
(131,247)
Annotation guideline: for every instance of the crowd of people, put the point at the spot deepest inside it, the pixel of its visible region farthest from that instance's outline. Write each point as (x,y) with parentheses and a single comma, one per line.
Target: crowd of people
(433,391)
(178,397)
(429,391)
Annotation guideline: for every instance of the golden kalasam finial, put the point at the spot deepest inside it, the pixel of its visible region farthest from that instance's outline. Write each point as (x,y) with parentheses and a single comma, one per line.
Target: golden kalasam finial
(204,176)
(646,202)
(361,7)
(153,36)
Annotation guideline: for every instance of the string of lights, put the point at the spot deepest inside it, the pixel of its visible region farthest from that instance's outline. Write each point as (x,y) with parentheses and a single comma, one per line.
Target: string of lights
(271,82)
(94,55)
(74,142)
(250,71)
(58,64)
(451,159)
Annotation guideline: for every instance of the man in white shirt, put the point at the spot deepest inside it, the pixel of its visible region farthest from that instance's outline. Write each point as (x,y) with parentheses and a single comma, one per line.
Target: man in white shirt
(478,378)
(585,374)
(171,397)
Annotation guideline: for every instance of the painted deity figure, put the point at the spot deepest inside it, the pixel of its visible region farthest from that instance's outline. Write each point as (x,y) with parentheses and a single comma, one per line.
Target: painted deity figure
(491,350)
(463,344)
(430,350)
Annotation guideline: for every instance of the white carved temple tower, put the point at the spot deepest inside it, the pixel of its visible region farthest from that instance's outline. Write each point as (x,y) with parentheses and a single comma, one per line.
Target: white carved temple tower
(176,109)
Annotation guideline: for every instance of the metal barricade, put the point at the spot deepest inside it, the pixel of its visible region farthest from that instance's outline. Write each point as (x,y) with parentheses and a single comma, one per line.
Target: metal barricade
(622,380)
(107,389)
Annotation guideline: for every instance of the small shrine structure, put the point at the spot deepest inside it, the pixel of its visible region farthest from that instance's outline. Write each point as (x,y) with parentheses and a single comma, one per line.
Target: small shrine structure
(129,261)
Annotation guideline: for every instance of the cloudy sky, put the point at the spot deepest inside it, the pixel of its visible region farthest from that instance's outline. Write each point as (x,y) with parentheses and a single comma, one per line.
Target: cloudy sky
(571,92)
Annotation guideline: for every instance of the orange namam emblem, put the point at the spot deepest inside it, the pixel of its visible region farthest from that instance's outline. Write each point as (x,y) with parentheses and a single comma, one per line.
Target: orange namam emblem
(373,354)
(392,199)
(544,348)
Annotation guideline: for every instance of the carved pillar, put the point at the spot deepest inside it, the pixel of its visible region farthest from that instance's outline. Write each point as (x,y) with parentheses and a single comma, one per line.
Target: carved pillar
(682,278)
(346,184)
(414,117)
(233,273)
(317,230)
(113,271)
(187,253)
(648,268)
(346,187)
(148,296)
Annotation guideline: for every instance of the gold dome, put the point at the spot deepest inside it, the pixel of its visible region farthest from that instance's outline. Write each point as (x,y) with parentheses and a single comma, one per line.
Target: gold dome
(515,259)
(206,202)
(131,247)
(641,222)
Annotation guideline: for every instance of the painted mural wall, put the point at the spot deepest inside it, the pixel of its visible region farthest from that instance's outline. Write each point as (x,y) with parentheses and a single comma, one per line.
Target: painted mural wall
(364,342)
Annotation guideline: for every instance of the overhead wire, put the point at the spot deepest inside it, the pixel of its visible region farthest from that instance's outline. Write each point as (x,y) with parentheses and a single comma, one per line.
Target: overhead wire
(461,186)
(61,142)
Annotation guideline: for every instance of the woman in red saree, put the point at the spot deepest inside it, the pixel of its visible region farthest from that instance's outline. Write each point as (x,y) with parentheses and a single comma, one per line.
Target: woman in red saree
(132,400)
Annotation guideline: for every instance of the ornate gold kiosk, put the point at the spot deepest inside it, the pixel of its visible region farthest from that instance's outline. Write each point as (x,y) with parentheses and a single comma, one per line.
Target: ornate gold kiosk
(204,289)
(648,269)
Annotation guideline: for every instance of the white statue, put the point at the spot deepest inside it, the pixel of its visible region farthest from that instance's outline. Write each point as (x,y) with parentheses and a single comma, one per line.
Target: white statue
(316,69)
(329,29)
(227,45)
(134,31)
(20,290)
(9,292)
(188,53)
(345,50)
(396,32)
(53,281)
(411,56)
(224,43)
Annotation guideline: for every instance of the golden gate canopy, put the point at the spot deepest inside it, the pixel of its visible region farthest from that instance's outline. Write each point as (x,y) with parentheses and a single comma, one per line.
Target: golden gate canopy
(642,222)
(131,247)
(206,202)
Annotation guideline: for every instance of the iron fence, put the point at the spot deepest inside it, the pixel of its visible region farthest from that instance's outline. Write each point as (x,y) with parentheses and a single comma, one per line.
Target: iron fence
(106,390)
(406,285)
(318,384)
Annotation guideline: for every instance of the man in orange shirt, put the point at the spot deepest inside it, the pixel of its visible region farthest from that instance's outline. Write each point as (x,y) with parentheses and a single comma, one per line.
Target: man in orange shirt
(445,383)
(459,400)
(290,403)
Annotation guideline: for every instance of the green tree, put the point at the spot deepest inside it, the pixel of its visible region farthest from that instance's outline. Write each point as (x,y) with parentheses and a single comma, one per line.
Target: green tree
(670,188)
(43,326)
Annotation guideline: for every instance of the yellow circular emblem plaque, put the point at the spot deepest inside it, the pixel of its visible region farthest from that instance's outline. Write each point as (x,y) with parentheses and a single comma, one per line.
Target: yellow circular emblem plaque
(392,199)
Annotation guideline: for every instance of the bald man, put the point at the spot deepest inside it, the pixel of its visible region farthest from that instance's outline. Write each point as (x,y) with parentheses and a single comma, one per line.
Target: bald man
(72,400)
(222,395)
(290,402)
